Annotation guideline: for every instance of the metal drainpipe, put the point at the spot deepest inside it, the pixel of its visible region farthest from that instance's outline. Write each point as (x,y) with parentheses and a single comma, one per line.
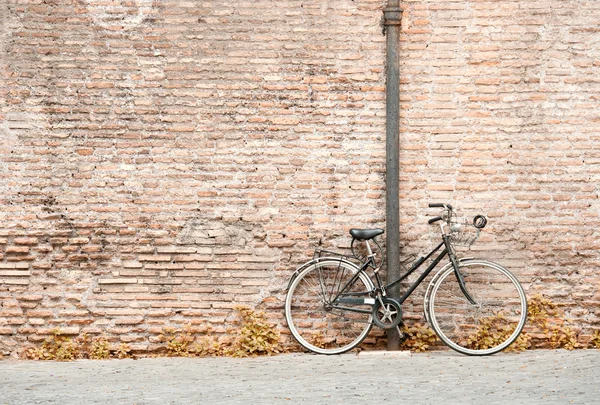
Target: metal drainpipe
(392,16)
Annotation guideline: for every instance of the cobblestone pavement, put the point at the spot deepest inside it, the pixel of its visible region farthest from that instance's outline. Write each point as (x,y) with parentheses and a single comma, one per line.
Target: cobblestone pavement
(544,377)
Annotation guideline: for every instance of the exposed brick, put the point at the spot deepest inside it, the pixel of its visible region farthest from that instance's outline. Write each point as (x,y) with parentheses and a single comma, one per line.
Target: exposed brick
(16,273)
(118,281)
(154,258)
(25,241)
(37,297)
(13,281)
(17,249)
(40,313)
(132,264)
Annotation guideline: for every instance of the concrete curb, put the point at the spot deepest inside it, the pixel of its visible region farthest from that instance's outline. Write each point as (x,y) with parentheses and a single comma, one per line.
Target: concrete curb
(382,353)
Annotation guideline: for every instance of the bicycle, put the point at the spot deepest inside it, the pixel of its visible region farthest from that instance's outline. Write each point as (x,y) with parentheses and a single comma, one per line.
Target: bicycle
(475,306)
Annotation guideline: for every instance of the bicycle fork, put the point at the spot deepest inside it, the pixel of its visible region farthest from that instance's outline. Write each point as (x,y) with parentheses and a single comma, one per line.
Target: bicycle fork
(459,276)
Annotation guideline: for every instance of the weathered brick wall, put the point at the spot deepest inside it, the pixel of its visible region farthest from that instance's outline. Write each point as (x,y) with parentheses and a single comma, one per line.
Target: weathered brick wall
(163,161)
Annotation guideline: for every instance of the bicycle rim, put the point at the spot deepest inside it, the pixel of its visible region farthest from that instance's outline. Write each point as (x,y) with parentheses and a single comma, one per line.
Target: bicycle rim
(493,323)
(309,313)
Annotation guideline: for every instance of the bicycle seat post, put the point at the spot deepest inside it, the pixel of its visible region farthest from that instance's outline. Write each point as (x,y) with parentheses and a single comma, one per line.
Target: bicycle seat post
(371,259)
(369,249)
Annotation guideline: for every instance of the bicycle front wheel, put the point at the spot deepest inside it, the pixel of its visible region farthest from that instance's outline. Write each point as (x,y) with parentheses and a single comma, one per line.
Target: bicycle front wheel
(323,312)
(486,327)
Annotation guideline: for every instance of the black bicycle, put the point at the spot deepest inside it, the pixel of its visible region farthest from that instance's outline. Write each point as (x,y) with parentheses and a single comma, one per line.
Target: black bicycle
(475,306)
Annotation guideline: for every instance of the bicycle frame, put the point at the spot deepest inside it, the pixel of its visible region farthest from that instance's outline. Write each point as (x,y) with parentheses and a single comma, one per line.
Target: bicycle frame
(380,290)
(414,267)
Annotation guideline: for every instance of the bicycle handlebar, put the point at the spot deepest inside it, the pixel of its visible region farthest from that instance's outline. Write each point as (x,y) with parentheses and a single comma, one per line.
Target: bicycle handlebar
(432,220)
(479,221)
(440,205)
(445,206)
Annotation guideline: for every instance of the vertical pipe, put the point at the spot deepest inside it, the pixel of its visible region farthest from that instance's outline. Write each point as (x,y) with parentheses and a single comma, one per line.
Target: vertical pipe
(392,16)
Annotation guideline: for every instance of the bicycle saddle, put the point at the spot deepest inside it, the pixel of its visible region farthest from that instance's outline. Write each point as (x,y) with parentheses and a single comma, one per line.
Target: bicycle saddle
(365,234)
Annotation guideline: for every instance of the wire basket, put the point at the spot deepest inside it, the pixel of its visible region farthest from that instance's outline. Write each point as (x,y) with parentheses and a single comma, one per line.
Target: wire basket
(463,233)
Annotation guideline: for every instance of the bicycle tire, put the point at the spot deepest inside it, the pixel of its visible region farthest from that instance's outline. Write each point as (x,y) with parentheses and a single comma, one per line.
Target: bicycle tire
(309,314)
(483,329)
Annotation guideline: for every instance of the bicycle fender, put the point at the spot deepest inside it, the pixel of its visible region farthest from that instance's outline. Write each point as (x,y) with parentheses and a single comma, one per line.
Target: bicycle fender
(310,263)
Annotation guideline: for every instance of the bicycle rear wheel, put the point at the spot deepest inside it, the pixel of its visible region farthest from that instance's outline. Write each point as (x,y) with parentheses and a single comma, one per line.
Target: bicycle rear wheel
(313,314)
(489,326)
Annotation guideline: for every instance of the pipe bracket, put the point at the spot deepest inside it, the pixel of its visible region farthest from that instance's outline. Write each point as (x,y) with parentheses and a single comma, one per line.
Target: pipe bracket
(392,15)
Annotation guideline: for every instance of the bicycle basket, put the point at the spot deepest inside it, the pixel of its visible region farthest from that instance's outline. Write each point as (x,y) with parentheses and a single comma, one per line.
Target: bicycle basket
(463,233)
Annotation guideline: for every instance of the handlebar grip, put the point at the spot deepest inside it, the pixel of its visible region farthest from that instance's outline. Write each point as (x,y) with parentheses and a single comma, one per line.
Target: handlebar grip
(440,205)
(432,220)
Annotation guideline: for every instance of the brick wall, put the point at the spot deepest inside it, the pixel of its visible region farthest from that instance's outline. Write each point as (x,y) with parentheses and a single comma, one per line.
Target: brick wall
(163,161)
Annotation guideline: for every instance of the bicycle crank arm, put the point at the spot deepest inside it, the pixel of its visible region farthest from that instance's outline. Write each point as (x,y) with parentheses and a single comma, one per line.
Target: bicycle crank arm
(387,313)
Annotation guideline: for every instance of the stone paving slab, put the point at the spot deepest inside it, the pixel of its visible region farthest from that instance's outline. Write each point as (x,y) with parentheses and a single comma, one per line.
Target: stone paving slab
(532,377)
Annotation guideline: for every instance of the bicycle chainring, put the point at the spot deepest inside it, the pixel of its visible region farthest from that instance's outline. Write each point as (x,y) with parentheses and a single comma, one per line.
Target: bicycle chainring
(389,315)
